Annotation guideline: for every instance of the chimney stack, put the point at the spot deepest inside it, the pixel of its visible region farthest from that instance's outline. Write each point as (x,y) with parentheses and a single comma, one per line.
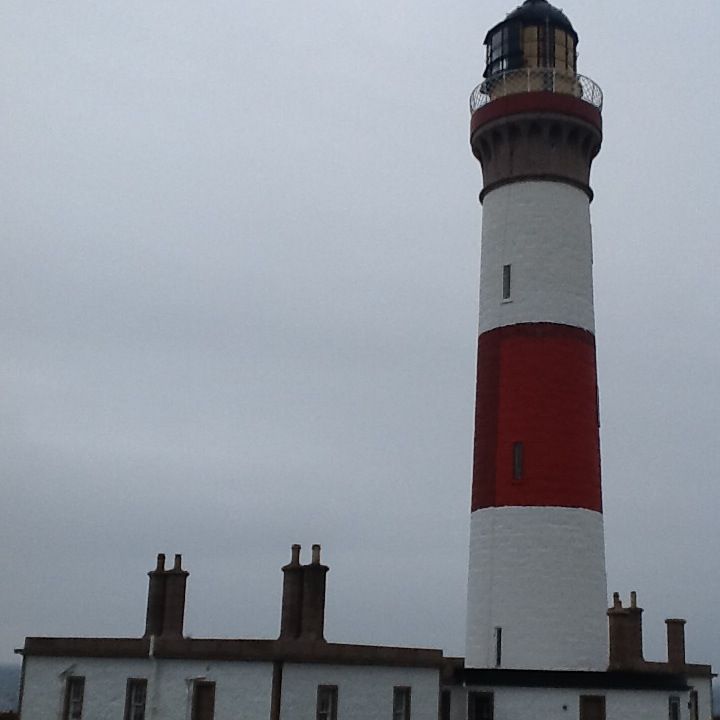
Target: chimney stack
(156,599)
(291,618)
(175,584)
(313,602)
(625,628)
(303,602)
(166,599)
(676,643)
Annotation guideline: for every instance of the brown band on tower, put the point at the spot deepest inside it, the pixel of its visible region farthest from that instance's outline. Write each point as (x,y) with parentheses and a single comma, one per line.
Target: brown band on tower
(536,136)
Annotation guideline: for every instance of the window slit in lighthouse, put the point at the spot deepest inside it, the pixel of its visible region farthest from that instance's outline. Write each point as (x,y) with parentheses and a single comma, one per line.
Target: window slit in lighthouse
(518,460)
(506,279)
(498,646)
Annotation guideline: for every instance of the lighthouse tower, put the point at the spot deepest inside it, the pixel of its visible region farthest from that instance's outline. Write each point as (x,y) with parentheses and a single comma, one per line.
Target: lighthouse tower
(537,586)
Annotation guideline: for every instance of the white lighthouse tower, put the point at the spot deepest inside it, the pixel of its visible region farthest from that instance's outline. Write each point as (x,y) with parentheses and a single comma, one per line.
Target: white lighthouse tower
(537,588)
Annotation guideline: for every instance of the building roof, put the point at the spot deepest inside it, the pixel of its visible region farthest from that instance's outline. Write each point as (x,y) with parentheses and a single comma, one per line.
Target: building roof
(243,650)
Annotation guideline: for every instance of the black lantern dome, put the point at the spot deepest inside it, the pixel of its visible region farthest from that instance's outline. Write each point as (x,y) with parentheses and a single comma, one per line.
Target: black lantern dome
(534,35)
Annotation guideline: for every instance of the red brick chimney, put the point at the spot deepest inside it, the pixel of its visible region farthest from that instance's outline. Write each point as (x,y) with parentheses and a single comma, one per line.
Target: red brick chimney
(303,601)
(313,599)
(166,599)
(625,628)
(291,617)
(676,643)
(175,584)
(156,599)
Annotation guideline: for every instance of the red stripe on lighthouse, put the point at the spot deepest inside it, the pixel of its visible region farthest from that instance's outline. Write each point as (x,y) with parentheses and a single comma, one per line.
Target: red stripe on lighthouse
(537,388)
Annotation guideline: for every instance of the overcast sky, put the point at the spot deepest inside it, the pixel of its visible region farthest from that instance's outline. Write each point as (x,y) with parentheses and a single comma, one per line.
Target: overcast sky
(238,300)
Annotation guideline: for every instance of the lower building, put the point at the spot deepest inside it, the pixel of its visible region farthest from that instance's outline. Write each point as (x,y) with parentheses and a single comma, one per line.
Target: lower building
(300,676)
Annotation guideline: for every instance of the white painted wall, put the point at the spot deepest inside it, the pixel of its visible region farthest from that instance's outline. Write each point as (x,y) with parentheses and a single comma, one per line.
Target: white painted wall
(703,686)
(564,704)
(539,574)
(242,690)
(364,693)
(543,230)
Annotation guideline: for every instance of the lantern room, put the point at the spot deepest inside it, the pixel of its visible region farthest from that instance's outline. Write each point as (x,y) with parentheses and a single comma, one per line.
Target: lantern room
(534,35)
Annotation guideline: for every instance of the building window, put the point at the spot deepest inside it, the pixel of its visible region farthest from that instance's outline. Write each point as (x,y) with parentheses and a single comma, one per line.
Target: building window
(592,707)
(401,703)
(135,699)
(327,701)
(673,708)
(507,271)
(694,705)
(445,705)
(498,646)
(518,459)
(74,694)
(481,706)
(203,700)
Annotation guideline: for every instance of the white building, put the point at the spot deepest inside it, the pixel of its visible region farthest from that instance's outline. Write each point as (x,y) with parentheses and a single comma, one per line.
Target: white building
(300,676)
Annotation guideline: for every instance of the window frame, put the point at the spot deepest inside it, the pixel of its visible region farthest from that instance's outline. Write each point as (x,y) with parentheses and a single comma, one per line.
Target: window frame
(504,49)
(133,683)
(196,685)
(474,709)
(518,461)
(402,711)
(507,282)
(73,682)
(331,693)
(498,646)
(674,712)
(587,699)
(694,705)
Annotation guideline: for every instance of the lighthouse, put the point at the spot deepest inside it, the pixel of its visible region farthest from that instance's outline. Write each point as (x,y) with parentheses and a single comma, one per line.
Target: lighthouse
(536,584)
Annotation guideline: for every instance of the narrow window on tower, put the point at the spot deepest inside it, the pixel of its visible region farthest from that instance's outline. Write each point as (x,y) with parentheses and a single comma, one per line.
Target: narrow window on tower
(674,708)
(518,461)
(506,282)
(498,646)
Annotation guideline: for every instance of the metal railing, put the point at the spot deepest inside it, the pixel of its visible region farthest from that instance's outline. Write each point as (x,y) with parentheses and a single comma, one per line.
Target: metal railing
(523,80)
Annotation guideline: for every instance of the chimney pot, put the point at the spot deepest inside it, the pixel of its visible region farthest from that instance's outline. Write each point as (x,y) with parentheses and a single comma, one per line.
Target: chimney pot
(313,598)
(633,599)
(160,561)
(292,597)
(617,602)
(676,643)
(174,600)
